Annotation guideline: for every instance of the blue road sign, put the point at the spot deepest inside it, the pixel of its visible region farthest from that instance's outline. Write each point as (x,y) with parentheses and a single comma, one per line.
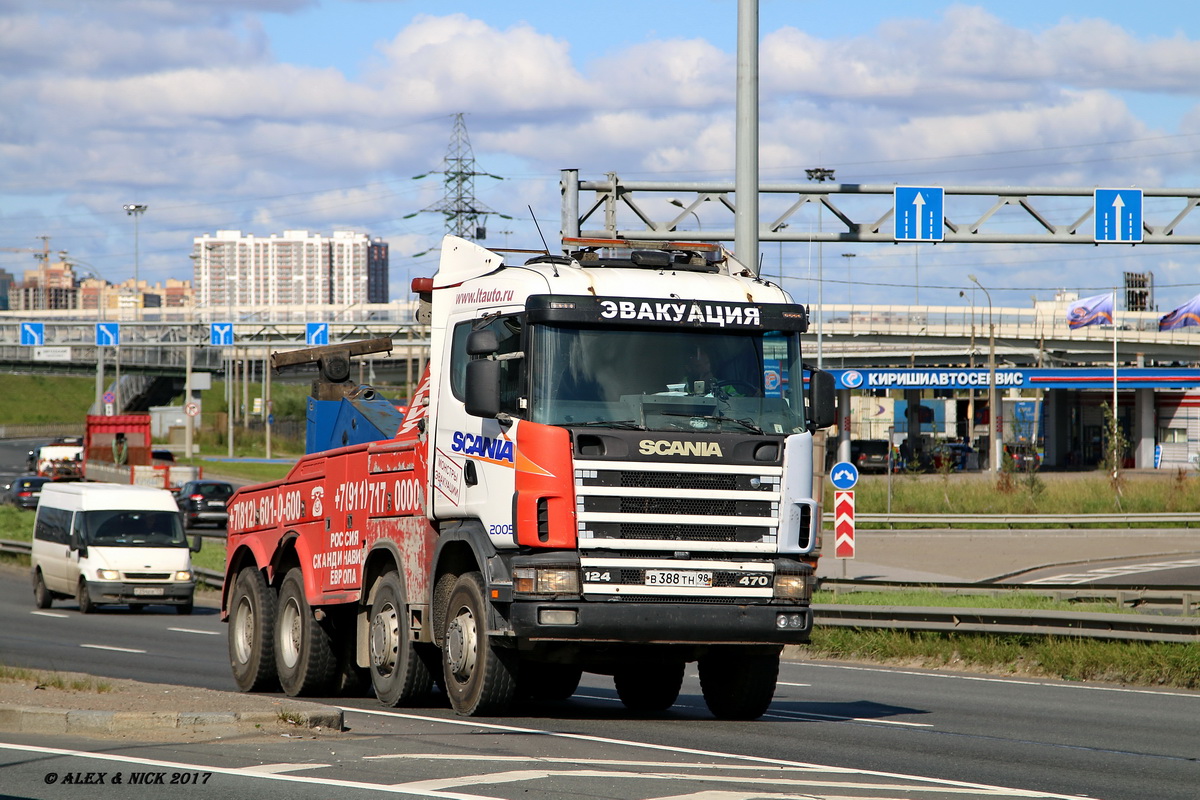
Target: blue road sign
(316,333)
(843,475)
(220,333)
(1118,215)
(920,212)
(33,333)
(108,334)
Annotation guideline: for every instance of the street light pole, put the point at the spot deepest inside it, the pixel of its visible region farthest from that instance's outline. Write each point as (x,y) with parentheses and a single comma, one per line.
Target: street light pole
(820,175)
(993,416)
(679,204)
(136,210)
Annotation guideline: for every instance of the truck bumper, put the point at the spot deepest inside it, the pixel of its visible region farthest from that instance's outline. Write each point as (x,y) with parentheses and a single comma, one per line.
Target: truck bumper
(660,623)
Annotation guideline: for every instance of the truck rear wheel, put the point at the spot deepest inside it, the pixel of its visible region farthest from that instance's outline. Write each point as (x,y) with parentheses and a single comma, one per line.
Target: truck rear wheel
(479,677)
(649,688)
(738,685)
(398,674)
(251,632)
(304,656)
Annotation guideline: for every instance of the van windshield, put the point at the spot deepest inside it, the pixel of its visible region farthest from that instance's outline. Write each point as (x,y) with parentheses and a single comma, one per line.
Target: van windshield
(133,529)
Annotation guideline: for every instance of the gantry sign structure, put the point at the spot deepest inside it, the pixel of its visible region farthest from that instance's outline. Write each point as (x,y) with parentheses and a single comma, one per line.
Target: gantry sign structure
(885,213)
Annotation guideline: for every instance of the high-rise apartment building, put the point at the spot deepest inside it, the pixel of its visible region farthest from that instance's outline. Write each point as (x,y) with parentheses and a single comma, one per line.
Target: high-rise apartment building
(296,269)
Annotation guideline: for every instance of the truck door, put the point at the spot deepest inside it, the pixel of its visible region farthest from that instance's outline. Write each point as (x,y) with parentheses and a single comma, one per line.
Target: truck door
(474,459)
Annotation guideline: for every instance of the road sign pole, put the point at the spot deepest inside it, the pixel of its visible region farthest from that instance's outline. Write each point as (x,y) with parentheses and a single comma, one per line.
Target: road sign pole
(189,433)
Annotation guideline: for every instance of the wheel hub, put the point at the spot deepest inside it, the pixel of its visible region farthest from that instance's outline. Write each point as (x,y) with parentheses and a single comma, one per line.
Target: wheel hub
(291,629)
(461,645)
(243,631)
(385,640)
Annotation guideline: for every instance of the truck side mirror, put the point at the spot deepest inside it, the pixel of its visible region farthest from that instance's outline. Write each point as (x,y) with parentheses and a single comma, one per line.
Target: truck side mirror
(822,400)
(482,342)
(483,386)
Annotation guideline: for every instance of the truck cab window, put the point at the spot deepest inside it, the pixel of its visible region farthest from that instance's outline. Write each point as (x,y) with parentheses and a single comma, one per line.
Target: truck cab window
(508,330)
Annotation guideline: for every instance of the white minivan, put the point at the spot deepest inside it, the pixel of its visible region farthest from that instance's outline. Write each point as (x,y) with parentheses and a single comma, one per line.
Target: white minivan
(110,543)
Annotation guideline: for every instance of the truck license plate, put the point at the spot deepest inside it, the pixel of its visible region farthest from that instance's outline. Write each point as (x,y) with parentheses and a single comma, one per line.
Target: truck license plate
(670,577)
(147,591)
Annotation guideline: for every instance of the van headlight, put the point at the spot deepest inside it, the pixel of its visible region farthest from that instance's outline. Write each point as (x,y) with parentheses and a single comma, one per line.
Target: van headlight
(546,580)
(183,575)
(108,574)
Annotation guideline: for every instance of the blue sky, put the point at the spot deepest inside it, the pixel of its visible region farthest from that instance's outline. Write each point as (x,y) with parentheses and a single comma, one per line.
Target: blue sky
(271,115)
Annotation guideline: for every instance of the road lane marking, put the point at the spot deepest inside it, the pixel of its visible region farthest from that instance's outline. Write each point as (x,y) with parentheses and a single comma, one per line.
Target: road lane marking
(111,647)
(781,683)
(941,783)
(814,716)
(240,772)
(193,630)
(1012,681)
(54,614)
(279,769)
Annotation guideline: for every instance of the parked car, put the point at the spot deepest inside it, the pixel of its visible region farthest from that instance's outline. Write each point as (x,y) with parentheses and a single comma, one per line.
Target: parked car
(25,491)
(203,503)
(162,455)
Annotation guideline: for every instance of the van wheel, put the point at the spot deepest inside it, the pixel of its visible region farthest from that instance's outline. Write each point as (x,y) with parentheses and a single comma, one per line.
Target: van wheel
(41,595)
(304,656)
(86,606)
(398,674)
(737,684)
(136,608)
(251,632)
(649,687)
(184,609)
(479,677)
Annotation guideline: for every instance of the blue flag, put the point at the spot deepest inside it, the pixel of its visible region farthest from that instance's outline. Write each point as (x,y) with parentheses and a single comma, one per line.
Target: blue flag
(1187,314)
(1094,310)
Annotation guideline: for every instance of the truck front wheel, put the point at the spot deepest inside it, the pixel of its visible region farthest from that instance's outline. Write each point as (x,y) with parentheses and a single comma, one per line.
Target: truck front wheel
(738,685)
(251,628)
(649,688)
(398,674)
(304,656)
(479,677)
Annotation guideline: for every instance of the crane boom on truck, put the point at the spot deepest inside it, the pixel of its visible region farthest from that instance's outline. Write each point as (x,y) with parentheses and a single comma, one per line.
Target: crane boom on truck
(607,466)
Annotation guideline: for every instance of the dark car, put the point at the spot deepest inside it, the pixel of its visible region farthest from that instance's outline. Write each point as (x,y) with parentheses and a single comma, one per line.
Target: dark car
(203,503)
(25,491)
(869,455)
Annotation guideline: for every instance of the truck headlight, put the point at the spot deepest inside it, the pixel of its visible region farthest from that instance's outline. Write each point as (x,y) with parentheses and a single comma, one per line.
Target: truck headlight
(793,586)
(546,580)
(108,574)
(183,575)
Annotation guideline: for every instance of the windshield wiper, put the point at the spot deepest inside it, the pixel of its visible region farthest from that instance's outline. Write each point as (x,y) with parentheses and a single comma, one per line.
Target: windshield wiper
(623,424)
(746,423)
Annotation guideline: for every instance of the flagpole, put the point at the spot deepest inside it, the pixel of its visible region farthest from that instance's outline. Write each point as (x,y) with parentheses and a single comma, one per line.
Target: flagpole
(1116,423)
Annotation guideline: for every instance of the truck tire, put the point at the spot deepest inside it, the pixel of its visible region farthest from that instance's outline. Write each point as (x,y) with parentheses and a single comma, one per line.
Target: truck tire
(252,607)
(41,595)
(398,674)
(479,677)
(547,683)
(649,688)
(738,685)
(304,656)
(86,606)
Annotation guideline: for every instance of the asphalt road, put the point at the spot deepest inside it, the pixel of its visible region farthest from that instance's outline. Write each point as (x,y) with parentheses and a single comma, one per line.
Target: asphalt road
(853,726)
(834,730)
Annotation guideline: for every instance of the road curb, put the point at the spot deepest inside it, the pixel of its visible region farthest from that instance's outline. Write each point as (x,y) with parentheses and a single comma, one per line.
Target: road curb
(33,719)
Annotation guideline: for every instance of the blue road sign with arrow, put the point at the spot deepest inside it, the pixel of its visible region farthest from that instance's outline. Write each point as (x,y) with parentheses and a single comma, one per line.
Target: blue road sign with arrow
(316,334)
(844,475)
(1118,215)
(220,334)
(108,334)
(919,213)
(33,333)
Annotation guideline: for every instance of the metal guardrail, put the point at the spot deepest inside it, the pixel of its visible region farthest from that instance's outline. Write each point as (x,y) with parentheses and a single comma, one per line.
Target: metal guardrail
(1122,627)
(1014,520)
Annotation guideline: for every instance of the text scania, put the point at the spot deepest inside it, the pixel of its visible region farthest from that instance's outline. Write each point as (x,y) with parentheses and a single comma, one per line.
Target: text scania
(666,311)
(664,447)
(482,447)
(884,379)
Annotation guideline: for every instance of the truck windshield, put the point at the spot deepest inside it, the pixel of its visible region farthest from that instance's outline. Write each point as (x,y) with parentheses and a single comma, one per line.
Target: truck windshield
(667,379)
(133,529)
